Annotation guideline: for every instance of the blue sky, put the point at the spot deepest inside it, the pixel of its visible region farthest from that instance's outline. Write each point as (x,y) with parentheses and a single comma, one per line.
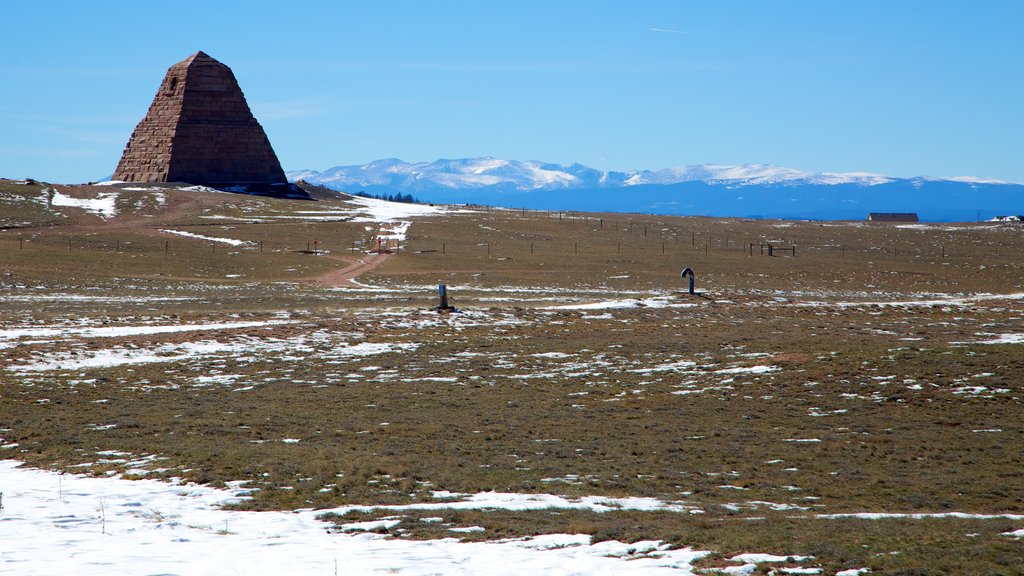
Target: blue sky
(903,88)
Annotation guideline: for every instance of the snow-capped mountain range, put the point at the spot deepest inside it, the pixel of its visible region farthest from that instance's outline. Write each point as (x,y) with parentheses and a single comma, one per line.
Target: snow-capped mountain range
(707,189)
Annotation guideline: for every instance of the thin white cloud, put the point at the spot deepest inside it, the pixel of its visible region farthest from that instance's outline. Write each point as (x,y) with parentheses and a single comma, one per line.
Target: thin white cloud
(666,30)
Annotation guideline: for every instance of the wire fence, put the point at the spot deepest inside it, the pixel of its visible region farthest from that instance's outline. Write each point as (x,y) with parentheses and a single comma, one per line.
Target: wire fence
(591,236)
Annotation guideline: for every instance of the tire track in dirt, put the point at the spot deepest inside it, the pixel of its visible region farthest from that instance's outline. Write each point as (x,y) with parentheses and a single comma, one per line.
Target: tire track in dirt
(387,238)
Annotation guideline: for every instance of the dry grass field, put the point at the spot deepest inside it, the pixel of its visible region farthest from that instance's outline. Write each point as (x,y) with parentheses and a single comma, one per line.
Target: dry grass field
(879,370)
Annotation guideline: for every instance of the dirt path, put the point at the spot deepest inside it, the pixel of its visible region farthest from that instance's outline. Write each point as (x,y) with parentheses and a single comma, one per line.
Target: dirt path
(347,275)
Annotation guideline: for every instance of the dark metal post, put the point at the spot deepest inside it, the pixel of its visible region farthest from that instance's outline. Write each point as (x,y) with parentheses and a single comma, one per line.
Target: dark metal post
(442,293)
(688,272)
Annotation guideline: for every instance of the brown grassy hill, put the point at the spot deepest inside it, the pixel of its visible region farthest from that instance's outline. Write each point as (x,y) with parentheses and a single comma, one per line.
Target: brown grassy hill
(211,336)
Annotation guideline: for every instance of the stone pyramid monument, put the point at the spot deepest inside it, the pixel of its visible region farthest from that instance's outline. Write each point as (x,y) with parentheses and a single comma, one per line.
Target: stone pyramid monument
(200,130)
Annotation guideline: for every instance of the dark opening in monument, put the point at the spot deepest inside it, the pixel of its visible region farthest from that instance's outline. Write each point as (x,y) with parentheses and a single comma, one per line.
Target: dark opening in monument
(174,85)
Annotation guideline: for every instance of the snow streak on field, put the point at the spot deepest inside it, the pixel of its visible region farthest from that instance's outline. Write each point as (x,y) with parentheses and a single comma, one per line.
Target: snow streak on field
(229,241)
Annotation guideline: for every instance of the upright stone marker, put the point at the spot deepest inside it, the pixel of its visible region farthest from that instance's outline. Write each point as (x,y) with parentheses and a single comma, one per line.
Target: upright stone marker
(200,130)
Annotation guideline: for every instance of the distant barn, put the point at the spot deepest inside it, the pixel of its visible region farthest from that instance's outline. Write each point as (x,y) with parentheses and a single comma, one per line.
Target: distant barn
(892,217)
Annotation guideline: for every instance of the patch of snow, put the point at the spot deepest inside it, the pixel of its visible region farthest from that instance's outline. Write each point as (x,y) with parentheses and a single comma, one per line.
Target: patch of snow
(103,205)
(767,558)
(229,241)
(394,231)
(748,370)
(519,502)
(975,180)
(180,352)
(369,526)
(385,211)
(920,516)
(63,297)
(110,526)
(681,366)
(658,302)
(1004,339)
(751,174)
(121,331)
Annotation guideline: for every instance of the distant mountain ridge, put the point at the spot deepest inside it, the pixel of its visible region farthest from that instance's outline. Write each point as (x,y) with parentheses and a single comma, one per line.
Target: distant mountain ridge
(748,190)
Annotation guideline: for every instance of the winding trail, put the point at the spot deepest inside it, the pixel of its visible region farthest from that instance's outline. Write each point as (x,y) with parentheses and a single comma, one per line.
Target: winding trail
(347,276)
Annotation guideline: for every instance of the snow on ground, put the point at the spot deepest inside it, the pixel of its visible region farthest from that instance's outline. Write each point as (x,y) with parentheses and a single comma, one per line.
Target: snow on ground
(924,301)
(68,524)
(1004,339)
(65,297)
(920,516)
(230,241)
(519,502)
(242,349)
(659,302)
(103,205)
(761,369)
(117,331)
(383,211)
(394,230)
(120,356)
